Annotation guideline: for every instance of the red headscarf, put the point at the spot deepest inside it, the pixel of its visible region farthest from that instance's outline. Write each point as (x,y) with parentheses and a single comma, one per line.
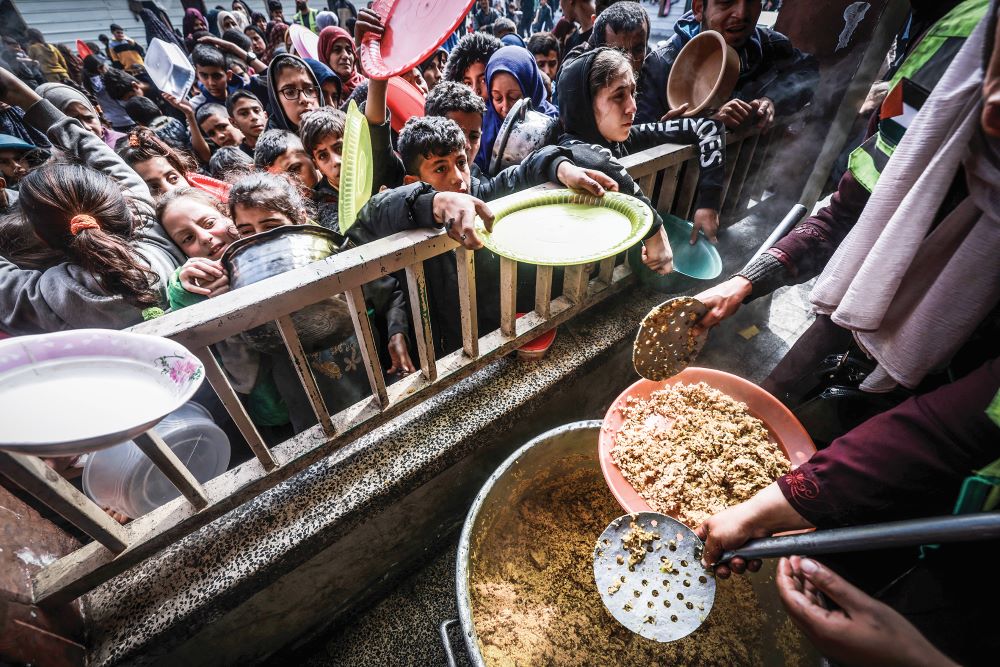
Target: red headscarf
(327,37)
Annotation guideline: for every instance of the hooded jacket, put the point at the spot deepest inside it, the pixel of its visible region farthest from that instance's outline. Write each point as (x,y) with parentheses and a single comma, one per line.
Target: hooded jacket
(769,67)
(61,96)
(277,118)
(580,127)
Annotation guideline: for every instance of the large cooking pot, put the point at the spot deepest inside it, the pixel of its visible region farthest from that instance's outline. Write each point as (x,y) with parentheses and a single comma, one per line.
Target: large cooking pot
(523,131)
(562,452)
(271,253)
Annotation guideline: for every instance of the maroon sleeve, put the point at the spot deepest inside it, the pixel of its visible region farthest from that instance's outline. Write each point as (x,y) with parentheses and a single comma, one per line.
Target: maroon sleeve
(810,245)
(905,463)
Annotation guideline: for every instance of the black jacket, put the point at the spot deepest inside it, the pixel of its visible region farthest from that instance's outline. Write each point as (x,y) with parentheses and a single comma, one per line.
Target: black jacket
(590,149)
(412,207)
(769,67)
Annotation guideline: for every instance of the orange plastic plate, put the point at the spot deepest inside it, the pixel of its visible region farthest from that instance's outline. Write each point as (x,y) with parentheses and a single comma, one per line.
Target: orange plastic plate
(404,102)
(782,425)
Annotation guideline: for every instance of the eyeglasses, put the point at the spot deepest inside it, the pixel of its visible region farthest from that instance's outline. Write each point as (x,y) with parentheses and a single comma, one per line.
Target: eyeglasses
(291,93)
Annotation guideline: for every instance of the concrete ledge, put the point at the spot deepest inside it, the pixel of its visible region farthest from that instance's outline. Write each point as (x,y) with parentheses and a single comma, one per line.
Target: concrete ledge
(307,552)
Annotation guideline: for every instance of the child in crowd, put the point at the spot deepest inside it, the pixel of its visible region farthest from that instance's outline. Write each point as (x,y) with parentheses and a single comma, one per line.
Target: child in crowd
(597,108)
(322,135)
(229,163)
(213,121)
(467,61)
(215,79)
(48,56)
(292,91)
(247,113)
(282,152)
(124,50)
(119,258)
(159,166)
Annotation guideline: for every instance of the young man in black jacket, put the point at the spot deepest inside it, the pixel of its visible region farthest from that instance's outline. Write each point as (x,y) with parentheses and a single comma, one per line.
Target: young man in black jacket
(775,77)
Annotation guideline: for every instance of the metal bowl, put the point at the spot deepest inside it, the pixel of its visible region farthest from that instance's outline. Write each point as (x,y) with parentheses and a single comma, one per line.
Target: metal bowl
(524,131)
(271,253)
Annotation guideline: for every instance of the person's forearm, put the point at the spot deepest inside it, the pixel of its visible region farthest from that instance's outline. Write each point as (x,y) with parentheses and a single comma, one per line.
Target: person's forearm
(375,104)
(198,143)
(772,511)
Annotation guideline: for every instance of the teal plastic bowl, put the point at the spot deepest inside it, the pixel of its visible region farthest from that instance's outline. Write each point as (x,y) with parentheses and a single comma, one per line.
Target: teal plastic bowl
(700,261)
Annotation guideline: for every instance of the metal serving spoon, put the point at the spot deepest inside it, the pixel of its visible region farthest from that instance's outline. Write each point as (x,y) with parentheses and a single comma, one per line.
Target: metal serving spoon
(667,594)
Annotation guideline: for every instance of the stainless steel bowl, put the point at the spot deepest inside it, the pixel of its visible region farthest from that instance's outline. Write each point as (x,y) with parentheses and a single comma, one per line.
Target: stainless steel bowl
(282,249)
(523,131)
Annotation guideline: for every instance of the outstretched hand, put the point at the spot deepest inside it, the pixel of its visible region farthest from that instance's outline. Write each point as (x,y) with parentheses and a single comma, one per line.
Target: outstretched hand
(706,220)
(585,180)
(399,354)
(456,212)
(862,631)
(657,254)
(733,113)
(674,113)
(368,22)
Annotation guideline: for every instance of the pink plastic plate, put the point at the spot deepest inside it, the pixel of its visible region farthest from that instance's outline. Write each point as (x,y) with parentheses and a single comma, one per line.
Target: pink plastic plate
(305,41)
(782,425)
(404,102)
(413,30)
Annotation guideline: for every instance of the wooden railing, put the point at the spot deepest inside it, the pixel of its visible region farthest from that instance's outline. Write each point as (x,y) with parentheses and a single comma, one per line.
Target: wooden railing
(668,174)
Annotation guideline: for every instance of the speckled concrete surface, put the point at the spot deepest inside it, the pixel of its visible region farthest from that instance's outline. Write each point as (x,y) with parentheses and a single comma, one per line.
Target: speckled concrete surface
(401,630)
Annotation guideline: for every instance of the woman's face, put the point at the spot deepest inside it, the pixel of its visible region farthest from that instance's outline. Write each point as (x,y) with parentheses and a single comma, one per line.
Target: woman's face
(342,59)
(614,106)
(228,23)
(198,229)
(199,25)
(256,41)
(159,175)
(504,92)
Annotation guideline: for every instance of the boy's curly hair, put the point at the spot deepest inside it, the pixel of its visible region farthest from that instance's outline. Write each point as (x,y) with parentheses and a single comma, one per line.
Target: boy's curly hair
(471,49)
(272,192)
(423,137)
(451,96)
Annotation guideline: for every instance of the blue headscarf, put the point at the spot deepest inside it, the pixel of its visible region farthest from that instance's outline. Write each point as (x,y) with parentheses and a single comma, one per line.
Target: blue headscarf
(520,64)
(324,74)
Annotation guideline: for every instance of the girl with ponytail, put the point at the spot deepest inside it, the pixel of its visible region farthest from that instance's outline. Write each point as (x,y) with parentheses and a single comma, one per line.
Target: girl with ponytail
(99,215)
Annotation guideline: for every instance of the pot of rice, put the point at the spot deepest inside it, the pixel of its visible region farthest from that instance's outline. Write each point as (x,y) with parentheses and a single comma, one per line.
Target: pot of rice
(526,592)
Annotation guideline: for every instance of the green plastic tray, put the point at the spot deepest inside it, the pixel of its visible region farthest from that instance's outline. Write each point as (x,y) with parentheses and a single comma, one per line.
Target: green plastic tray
(355,169)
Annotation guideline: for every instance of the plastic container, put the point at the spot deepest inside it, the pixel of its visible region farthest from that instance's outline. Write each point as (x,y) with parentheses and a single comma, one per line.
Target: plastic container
(125,480)
(169,68)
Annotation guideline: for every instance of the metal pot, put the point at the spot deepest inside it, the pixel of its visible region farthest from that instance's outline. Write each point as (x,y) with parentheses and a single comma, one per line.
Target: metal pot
(271,253)
(523,131)
(559,452)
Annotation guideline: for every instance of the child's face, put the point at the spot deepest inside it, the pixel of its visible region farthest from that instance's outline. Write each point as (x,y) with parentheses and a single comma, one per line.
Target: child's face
(614,107)
(327,157)
(251,220)
(548,63)
(197,228)
(449,173)
(249,117)
(475,78)
(303,92)
(297,163)
(159,175)
(415,78)
(472,125)
(215,80)
(221,131)
(432,73)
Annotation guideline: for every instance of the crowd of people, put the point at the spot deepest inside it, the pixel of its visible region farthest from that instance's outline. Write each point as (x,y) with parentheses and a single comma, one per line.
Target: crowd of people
(119,201)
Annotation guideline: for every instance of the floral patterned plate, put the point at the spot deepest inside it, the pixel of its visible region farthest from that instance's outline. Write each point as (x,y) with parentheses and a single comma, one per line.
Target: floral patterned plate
(78,391)
(563,227)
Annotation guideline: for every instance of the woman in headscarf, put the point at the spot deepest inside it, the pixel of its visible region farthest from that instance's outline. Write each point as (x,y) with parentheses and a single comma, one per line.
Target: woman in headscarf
(243,8)
(194,21)
(75,104)
(257,41)
(329,82)
(510,75)
(276,39)
(325,19)
(229,21)
(156,29)
(336,49)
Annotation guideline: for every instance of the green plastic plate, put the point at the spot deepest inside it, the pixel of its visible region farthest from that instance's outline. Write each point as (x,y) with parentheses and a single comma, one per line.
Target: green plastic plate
(355,168)
(562,227)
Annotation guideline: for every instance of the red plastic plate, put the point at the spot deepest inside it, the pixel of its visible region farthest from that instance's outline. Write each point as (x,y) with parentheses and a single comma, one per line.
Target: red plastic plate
(413,29)
(404,102)
(784,428)
(82,49)
(213,186)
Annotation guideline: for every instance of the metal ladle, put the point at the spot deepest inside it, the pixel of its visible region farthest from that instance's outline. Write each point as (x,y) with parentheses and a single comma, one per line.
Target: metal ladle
(668,594)
(666,343)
